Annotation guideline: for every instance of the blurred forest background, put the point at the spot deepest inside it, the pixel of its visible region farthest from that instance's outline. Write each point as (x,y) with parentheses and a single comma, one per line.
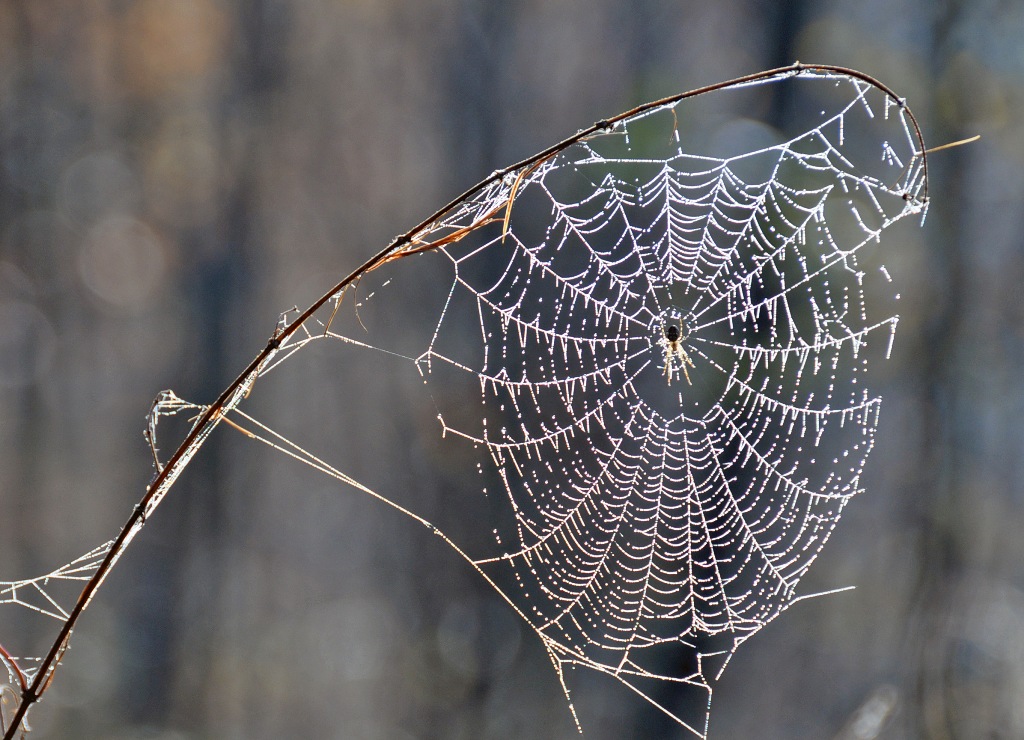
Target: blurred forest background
(175,173)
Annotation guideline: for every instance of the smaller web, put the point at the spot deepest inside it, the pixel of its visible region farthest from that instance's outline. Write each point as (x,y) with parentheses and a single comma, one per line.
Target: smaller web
(50,596)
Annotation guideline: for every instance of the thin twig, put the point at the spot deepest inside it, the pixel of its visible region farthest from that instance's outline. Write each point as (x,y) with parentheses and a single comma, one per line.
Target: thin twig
(940,147)
(13,665)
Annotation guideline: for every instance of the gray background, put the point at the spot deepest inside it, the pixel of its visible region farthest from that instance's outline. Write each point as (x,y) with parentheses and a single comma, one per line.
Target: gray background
(174,173)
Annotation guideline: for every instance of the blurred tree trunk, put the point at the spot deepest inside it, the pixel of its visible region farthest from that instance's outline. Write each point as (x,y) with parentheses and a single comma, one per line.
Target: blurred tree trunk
(938,508)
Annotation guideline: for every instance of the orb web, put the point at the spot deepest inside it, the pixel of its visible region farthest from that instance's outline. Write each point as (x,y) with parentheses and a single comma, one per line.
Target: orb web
(670,350)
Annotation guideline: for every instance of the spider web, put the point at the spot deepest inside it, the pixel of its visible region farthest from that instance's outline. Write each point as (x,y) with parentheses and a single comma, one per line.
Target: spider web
(50,595)
(669,337)
(652,345)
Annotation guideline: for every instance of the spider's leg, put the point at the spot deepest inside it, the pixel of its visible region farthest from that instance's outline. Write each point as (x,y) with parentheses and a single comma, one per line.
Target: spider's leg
(684,360)
(668,363)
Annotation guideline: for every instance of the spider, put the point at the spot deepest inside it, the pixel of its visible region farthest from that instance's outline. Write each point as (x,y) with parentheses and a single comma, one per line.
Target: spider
(673,350)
